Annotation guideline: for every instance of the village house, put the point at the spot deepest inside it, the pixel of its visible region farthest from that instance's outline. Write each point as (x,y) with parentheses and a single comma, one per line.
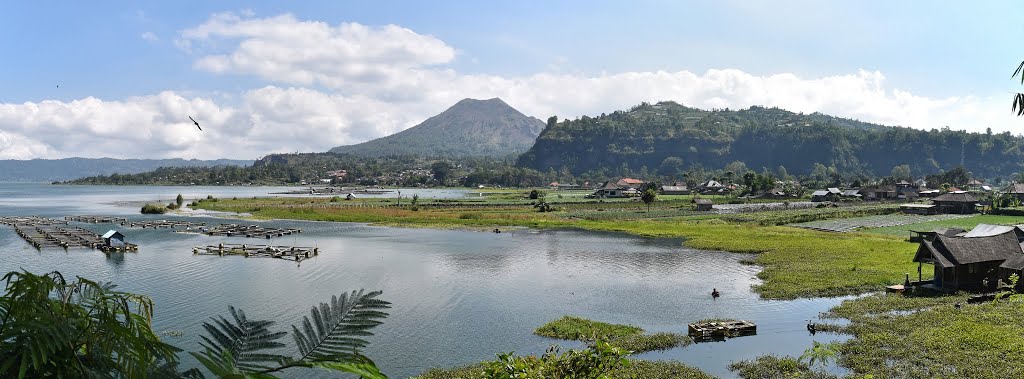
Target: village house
(610,190)
(881,192)
(711,186)
(956,202)
(629,182)
(974,261)
(826,195)
(1016,190)
(675,190)
(703,205)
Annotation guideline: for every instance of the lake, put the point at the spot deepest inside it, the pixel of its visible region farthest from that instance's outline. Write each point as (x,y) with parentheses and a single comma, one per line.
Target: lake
(458,297)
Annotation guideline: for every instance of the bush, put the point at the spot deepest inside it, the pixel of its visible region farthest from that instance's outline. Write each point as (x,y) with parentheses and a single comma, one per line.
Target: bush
(336,199)
(153,209)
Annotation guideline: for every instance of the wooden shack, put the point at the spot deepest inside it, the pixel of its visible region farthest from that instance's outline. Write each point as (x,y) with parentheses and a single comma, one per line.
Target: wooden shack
(703,205)
(113,238)
(956,202)
(969,263)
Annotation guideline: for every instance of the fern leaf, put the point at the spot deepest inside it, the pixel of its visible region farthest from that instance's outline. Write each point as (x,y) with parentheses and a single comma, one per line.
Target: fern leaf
(332,331)
(240,343)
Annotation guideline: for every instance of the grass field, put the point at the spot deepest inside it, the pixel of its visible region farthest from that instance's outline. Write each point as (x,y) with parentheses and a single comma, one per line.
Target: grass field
(929,337)
(966,223)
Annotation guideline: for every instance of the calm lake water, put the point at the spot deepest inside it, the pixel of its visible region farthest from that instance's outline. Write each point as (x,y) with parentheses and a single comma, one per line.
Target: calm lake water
(458,297)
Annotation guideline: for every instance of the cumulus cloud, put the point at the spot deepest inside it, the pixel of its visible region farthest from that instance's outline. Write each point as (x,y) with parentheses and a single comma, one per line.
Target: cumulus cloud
(332,85)
(150,37)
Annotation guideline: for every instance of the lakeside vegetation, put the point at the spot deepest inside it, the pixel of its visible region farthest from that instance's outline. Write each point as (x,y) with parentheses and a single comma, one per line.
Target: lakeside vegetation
(627,337)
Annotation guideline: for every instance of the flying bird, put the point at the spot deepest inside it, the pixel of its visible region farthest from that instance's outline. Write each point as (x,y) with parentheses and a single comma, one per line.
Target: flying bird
(195,122)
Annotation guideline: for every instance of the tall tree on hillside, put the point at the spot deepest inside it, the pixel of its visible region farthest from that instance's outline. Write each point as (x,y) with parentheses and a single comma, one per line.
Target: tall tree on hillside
(441,171)
(901,172)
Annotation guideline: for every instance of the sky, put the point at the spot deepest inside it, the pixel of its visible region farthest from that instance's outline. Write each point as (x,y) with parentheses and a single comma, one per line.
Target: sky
(119,79)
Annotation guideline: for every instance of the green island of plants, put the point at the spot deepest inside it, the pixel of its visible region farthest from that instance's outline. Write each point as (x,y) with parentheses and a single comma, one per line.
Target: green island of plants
(626,337)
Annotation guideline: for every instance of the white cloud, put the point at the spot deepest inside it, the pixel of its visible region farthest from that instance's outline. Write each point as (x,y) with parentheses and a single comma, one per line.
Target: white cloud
(284,49)
(150,37)
(348,83)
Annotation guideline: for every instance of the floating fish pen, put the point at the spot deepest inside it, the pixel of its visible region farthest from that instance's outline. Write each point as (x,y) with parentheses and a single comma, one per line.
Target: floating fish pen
(170,224)
(97,219)
(251,231)
(718,330)
(30,220)
(291,253)
(42,236)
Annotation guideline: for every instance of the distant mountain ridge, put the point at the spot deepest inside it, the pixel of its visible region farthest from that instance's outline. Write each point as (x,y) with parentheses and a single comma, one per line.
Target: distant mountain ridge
(48,170)
(671,139)
(471,127)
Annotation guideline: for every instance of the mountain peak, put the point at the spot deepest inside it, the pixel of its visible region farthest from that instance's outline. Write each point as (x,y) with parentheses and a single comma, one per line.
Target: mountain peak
(470,127)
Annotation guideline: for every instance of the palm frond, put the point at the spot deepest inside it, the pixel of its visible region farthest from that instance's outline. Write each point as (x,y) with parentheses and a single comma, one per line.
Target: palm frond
(1018,104)
(244,342)
(333,332)
(1019,71)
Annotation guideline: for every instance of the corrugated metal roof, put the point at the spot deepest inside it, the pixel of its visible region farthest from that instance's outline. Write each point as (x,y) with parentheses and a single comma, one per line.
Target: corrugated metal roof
(986,230)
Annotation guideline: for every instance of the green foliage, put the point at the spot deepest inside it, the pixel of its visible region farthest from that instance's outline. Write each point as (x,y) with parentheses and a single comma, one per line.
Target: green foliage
(578,328)
(329,338)
(770,366)
(648,197)
(179,200)
(932,337)
(534,194)
(153,209)
(1018,99)
(640,369)
(53,328)
(821,354)
(647,135)
(594,362)
(624,336)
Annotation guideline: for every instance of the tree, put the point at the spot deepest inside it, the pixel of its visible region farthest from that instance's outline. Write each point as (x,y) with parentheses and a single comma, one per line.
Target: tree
(441,171)
(648,197)
(670,166)
(50,327)
(901,172)
(179,200)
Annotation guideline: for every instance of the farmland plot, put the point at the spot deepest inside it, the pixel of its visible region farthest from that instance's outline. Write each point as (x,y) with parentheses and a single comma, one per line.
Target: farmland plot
(879,221)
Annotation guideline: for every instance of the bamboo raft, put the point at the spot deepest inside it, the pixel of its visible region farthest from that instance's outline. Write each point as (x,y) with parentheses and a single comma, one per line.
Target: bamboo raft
(721,330)
(97,219)
(291,253)
(170,224)
(251,231)
(40,236)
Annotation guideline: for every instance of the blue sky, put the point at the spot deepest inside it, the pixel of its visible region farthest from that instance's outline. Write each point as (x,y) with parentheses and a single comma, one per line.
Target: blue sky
(920,64)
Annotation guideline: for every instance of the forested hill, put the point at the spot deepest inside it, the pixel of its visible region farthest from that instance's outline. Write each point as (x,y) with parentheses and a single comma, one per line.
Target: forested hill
(471,127)
(669,138)
(47,170)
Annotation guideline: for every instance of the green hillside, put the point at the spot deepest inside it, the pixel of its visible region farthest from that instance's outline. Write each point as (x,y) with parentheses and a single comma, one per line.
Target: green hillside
(668,138)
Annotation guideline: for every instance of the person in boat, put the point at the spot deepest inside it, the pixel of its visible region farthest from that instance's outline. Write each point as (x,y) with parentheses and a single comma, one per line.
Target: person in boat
(714,293)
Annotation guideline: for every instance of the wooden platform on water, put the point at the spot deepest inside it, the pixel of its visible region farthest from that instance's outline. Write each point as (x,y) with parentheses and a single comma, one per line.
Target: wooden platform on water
(251,231)
(30,220)
(97,219)
(291,253)
(722,329)
(43,236)
(170,224)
